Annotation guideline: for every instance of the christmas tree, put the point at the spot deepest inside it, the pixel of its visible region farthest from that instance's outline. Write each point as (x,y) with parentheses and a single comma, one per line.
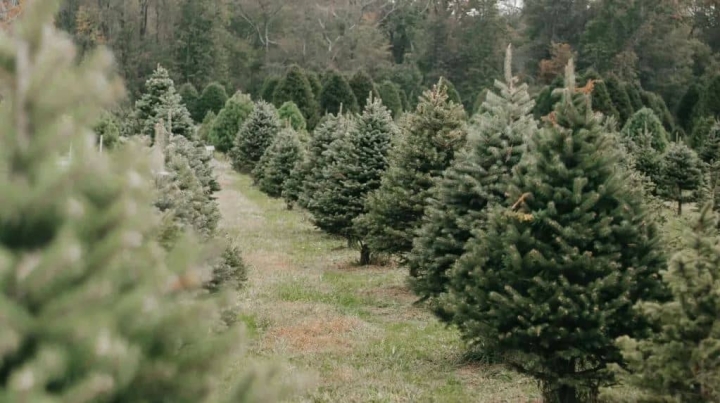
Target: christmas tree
(643,121)
(278,161)
(681,171)
(711,98)
(709,151)
(161,101)
(93,310)
(199,159)
(680,362)
(229,121)
(190,97)
(390,95)
(634,95)
(359,161)
(477,178)
(268,88)
(213,99)
(551,280)
(453,94)
(290,114)
(293,185)
(295,87)
(337,94)
(203,133)
(315,83)
(431,136)
(619,97)
(254,137)
(362,86)
(601,100)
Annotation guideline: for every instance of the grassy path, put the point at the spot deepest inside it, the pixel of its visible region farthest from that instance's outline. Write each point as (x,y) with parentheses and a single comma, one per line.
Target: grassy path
(353,331)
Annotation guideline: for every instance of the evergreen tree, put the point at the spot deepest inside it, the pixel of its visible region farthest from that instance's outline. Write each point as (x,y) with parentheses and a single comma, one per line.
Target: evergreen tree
(545,100)
(363,86)
(315,83)
(203,133)
(267,92)
(551,281)
(619,97)
(712,97)
(161,101)
(709,152)
(647,159)
(213,99)
(701,132)
(601,100)
(359,161)
(293,186)
(477,178)
(295,87)
(453,94)
(404,101)
(290,114)
(229,121)
(108,130)
(634,95)
(229,270)
(278,161)
(199,160)
(430,137)
(390,96)
(681,172)
(645,120)
(190,98)
(92,309)
(197,51)
(657,104)
(336,94)
(680,363)
(686,108)
(255,137)
(319,158)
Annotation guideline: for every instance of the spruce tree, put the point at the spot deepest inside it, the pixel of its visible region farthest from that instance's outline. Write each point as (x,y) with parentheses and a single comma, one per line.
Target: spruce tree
(93,310)
(213,100)
(477,178)
(190,98)
(701,132)
(619,97)
(293,185)
(203,133)
(545,100)
(267,92)
(199,159)
(107,129)
(295,87)
(161,101)
(686,109)
(643,121)
(290,114)
(453,94)
(709,152)
(430,137)
(319,158)
(711,98)
(255,137)
(363,86)
(601,100)
(315,83)
(681,172)
(551,280)
(336,94)
(657,104)
(390,95)
(229,121)
(278,161)
(634,95)
(680,362)
(359,161)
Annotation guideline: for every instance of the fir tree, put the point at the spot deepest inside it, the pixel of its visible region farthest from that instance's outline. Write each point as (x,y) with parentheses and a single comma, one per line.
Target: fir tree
(709,152)
(255,137)
(453,94)
(619,97)
(108,130)
(390,96)
(681,172)
(711,98)
(601,100)
(545,101)
(92,309)
(657,104)
(551,281)
(359,161)
(337,94)
(404,101)
(293,185)
(643,121)
(296,88)
(634,95)
(430,137)
(199,159)
(161,101)
(647,160)
(190,98)
(278,161)
(229,121)
(315,83)
(228,271)
(290,114)
(686,108)
(680,363)
(701,132)
(203,133)
(363,86)
(267,92)
(213,99)
(477,178)
(319,159)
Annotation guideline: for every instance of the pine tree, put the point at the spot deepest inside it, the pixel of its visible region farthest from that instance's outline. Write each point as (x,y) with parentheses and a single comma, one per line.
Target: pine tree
(453,94)
(551,281)
(278,161)
(337,94)
(701,132)
(477,178)
(92,309)
(229,121)
(709,152)
(657,104)
(681,172)
(711,98)
(390,95)
(229,270)
(203,133)
(161,101)
(199,159)
(634,95)
(319,159)
(295,87)
(255,137)
(680,363)
(619,97)
(601,100)
(267,92)
(430,137)
(315,83)
(290,114)
(686,108)
(293,185)
(363,86)
(359,161)
(213,99)
(545,100)
(645,120)
(190,98)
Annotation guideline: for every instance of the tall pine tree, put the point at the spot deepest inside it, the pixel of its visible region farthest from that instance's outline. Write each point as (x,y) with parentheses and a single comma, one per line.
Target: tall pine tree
(336,94)
(255,137)
(278,161)
(296,88)
(212,99)
(363,86)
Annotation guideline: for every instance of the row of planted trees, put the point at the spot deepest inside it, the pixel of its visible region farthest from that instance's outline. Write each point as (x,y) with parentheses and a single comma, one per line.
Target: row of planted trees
(538,241)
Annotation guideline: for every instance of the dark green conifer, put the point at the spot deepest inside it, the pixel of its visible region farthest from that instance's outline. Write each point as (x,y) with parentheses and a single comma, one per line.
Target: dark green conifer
(686,109)
(337,93)
(213,100)
(712,97)
(278,161)
(601,100)
(289,113)
(709,152)
(643,121)
(295,87)
(619,97)
(634,95)
(363,86)
(162,102)
(682,172)
(551,281)
(452,92)
(430,137)
(228,122)
(267,92)
(190,98)
(315,83)
(203,133)
(390,95)
(254,137)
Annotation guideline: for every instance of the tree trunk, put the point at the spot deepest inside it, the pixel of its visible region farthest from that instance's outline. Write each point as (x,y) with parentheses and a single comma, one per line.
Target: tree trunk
(364,255)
